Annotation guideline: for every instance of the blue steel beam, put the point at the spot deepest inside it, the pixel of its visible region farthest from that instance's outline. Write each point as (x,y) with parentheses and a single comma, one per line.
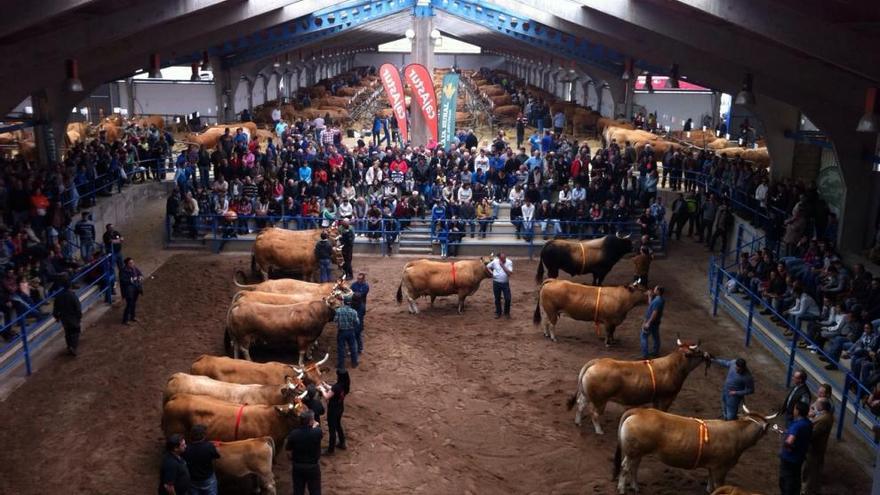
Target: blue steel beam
(309,29)
(540,36)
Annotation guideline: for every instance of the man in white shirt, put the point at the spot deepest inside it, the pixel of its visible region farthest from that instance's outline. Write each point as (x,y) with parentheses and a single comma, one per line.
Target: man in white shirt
(528,217)
(502,269)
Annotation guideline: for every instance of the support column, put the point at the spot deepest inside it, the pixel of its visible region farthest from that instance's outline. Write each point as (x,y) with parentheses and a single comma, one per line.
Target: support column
(600,92)
(422,53)
(223,92)
(49,126)
(250,93)
(629,96)
(777,118)
(716,107)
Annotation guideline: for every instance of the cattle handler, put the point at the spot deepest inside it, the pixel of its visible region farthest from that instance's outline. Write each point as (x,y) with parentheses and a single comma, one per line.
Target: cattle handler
(502,269)
(304,444)
(347,324)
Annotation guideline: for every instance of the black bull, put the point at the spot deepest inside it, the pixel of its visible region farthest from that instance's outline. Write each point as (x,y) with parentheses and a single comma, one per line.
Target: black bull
(597,256)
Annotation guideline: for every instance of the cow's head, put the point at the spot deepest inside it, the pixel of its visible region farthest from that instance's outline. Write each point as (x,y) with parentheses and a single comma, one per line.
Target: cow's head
(293,387)
(694,353)
(312,371)
(293,408)
(762,421)
(619,245)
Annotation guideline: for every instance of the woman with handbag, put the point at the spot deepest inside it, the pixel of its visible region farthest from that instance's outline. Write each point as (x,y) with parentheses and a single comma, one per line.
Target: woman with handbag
(131,282)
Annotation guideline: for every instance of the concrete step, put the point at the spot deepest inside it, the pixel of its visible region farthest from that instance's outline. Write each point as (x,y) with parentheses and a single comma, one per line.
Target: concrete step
(414,250)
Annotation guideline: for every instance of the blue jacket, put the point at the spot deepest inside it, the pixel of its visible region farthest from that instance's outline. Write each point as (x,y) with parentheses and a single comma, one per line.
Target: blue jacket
(742,384)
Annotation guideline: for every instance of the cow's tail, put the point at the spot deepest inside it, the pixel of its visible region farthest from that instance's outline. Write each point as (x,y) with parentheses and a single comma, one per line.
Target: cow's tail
(580,386)
(539,276)
(239,279)
(536,318)
(400,293)
(618,452)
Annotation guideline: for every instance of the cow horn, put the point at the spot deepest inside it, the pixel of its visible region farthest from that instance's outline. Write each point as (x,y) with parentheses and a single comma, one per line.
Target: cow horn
(300,375)
(302,395)
(769,418)
(297,369)
(324,359)
(627,236)
(745,409)
(678,342)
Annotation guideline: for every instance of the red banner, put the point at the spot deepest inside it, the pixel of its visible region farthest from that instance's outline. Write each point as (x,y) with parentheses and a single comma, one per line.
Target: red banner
(418,78)
(390,77)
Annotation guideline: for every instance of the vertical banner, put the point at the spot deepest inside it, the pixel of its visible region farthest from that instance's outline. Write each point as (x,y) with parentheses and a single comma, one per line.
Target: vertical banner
(420,81)
(448,100)
(390,77)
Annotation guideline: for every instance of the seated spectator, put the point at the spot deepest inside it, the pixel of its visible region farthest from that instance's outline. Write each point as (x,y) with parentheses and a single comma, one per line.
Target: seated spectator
(805,309)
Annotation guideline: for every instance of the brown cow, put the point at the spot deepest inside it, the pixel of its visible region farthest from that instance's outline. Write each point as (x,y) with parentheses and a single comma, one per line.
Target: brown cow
(301,323)
(183,383)
(683,442)
(441,278)
(608,305)
(231,370)
(245,457)
(595,256)
(227,421)
(633,383)
(292,250)
(289,285)
(277,298)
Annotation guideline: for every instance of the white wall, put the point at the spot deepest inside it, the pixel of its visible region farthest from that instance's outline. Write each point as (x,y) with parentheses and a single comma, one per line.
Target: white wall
(673,108)
(463,61)
(240,101)
(607,109)
(272,88)
(259,95)
(156,97)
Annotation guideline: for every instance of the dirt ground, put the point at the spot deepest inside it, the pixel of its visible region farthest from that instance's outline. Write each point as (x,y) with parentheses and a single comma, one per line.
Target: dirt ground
(442,403)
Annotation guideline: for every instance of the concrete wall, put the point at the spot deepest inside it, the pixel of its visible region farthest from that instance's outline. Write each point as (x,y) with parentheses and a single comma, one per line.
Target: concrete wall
(174,98)
(123,209)
(464,61)
(673,108)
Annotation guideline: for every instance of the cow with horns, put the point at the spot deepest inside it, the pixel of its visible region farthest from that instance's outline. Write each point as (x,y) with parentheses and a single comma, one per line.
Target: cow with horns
(684,442)
(247,372)
(608,305)
(441,278)
(634,383)
(595,256)
(184,383)
(291,250)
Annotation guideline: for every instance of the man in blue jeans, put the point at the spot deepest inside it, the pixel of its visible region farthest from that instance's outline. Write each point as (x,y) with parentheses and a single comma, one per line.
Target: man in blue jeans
(347,323)
(651,326)
(361,289)
(501,269)
(324,253)
(737,385)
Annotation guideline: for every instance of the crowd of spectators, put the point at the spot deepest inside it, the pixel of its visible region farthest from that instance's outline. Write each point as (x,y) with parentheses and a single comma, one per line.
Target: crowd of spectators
(41,236)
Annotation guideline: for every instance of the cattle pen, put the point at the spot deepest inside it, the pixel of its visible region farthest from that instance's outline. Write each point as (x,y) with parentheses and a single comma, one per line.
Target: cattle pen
(442,403)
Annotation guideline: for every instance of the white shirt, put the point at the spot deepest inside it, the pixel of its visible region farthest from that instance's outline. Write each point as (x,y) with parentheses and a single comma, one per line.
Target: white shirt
(498,273)
(578,194)
(516,196)
(528,212)
(465,194)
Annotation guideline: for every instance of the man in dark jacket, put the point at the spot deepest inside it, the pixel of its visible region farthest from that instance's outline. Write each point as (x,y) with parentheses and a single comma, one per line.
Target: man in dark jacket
(68,311)
(174,475)
(199,456)
(347,242)
(798,393)
(304,444)
(131,284)
(324,253)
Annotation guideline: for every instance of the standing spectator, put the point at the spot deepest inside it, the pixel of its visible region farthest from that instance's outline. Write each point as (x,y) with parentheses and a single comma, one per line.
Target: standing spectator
(304,444)
(822,416)
(707,219)
(738,384)
(113,244)
(174,475)
(347,242)
(723,223)
(335,397)
(798,393)
(68,311)
(347,323)
(199,457)
(359,302)
(795,445)
(651,326)
(85,232)
(131,284)
(502,269)
(324,253)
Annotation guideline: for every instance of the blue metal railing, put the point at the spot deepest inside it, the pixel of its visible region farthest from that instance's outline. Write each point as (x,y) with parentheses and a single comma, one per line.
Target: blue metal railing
(98,274)
(719,276)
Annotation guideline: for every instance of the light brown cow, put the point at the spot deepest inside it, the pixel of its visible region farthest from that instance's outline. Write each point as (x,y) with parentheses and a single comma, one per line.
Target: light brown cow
(292,250)
(276,298)
(231,370)
(253,456)
(683,442)
(227,421)
(279,325)
(184,383)
(634,383)
(603,305)
(441,278)
(290,285)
